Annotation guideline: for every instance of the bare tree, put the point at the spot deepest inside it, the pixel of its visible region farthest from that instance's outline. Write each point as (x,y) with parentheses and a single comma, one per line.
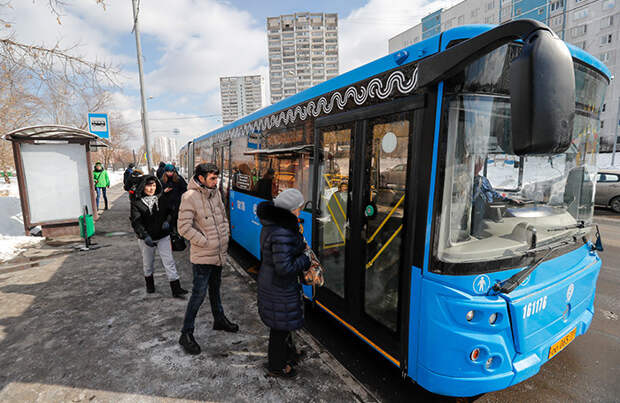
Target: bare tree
(42,84)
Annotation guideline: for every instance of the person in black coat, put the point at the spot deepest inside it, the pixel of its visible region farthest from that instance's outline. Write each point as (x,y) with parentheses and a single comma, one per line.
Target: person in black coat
(160,169)
(150,219)
(284,258)
(174,187)
(127,173)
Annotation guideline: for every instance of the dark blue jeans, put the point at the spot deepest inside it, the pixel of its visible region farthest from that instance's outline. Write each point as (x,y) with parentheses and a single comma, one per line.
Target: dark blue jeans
(105,197)
(205,276)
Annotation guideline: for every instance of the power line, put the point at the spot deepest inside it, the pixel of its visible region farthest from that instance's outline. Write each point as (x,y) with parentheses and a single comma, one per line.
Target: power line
(182,118)
(189,117)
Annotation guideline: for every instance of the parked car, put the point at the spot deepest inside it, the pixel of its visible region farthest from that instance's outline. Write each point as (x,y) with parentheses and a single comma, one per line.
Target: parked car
(395,177)
(608,189)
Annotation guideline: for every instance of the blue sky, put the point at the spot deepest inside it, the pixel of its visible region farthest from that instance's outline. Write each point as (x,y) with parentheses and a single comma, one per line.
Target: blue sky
(189,44)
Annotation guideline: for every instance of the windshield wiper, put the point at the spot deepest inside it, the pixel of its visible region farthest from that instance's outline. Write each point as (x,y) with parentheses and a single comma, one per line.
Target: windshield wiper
(580,224)
(513,282)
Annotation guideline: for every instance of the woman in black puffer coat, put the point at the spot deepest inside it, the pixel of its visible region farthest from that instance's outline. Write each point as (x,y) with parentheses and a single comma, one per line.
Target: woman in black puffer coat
(284,258)
(150,218)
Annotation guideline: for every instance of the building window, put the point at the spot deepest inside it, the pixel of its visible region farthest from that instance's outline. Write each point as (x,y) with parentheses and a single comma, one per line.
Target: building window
(609,4)
(605,39)
(580,14)
(578,30)
(603,108)
(490,5)
(606,57)
(602,124)
(607,21)
(474,12)
(488,20)
(461,19)
(556,5)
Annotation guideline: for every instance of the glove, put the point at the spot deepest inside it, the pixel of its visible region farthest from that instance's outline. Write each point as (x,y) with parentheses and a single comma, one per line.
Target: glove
(165,226)
(149,241)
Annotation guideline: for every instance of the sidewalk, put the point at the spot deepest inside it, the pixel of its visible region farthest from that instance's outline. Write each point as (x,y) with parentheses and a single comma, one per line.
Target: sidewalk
(80,327)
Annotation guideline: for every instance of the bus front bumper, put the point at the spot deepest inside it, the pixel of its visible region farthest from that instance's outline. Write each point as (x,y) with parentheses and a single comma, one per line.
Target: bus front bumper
(523,367)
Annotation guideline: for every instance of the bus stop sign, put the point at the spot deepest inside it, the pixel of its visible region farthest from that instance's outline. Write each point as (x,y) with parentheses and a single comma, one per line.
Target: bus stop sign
(98,124)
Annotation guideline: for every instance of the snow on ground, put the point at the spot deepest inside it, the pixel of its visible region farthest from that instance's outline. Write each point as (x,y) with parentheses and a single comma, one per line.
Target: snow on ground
(116,177)
(11,246)
(12,238)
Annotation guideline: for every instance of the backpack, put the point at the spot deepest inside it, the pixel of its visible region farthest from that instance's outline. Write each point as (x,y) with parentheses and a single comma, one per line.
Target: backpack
(132,185)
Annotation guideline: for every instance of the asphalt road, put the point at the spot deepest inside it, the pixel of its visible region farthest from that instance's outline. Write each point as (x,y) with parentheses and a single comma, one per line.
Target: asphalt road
(587,370)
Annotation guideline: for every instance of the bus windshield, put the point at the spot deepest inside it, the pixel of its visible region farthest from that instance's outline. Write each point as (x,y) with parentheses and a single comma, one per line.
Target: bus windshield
(496,205)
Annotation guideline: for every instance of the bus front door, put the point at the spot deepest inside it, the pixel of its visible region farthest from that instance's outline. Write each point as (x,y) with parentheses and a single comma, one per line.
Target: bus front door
(359,223)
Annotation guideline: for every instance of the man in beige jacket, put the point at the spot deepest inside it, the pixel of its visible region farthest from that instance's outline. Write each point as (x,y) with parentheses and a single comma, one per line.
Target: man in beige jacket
(202,221)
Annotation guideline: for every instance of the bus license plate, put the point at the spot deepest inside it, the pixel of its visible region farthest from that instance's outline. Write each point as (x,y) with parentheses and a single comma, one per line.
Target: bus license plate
(562,343)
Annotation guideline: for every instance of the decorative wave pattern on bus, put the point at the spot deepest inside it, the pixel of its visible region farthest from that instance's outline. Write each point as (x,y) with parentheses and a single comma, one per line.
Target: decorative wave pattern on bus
(376,88)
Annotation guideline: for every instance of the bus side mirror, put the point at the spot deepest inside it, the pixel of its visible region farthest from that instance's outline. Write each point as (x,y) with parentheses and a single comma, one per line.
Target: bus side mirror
(542,91)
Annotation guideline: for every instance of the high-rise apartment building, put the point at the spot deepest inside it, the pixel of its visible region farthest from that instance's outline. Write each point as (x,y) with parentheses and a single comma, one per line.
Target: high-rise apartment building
(166,147)
(172,148)
(303,51)
(591,25)
(240,96)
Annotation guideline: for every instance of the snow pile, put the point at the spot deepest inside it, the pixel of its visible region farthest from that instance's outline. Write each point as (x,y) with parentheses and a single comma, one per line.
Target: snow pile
(12,239)
(11,246)
(11,221)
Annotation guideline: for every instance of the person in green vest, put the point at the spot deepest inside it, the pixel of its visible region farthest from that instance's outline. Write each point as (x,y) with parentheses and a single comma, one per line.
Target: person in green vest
(102,182)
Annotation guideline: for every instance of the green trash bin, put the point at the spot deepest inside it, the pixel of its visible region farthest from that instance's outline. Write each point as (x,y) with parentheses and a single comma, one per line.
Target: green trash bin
(90,225)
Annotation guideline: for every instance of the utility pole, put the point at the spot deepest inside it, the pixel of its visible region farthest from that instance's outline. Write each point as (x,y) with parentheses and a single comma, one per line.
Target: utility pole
(145,120)
(613,154)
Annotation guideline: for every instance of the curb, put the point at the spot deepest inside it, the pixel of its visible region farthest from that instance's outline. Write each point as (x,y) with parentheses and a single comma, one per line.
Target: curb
(361,393)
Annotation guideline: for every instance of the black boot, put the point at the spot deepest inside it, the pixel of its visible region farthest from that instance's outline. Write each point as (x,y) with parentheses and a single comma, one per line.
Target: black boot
(106,204)
(150,284)
(177,291)
(189,344)
(222,323)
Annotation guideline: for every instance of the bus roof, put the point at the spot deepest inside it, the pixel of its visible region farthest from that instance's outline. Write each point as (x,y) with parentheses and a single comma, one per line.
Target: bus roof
(415,52)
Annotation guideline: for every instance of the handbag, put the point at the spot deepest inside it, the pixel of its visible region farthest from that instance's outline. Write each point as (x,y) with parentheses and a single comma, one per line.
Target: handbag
(314,274)
(178,243)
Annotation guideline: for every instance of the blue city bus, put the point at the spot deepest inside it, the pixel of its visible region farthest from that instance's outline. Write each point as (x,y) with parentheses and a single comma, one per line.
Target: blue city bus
(449,191)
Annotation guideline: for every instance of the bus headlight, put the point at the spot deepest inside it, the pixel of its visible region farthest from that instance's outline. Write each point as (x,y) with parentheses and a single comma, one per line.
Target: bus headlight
(492,318)
(469,316)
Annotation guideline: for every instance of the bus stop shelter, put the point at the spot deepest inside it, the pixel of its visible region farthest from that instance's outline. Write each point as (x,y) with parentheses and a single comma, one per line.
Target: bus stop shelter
(53,167)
